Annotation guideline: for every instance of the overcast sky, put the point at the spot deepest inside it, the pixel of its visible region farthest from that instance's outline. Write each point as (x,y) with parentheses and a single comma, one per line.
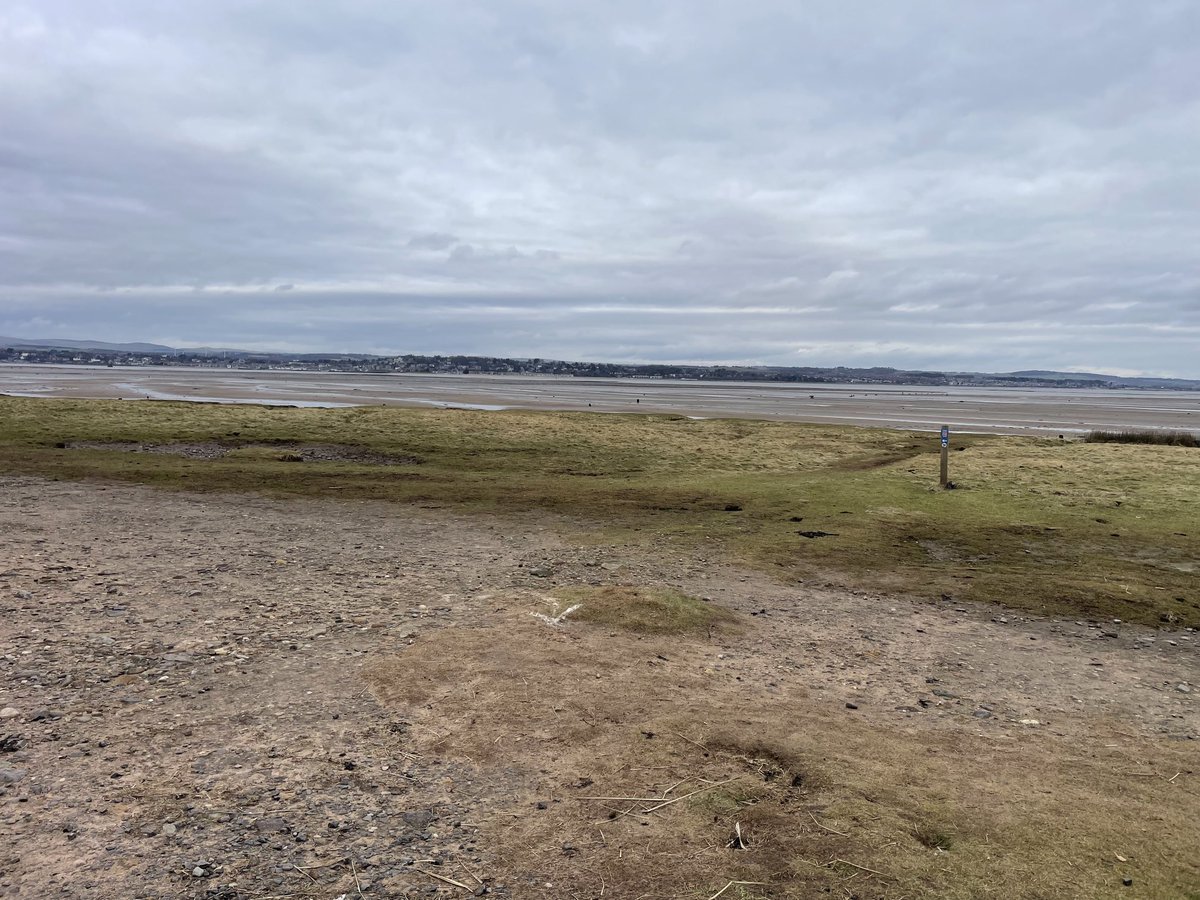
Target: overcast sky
(918,183)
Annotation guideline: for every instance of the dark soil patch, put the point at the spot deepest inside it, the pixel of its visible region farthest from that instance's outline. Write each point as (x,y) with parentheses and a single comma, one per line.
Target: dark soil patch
(199,450)
(289,450)
(342,453)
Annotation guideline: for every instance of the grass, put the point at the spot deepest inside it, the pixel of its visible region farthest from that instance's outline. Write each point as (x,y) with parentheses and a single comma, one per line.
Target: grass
(933,835)
(1093,530)
(822,800)
(656,610)
(1148,436)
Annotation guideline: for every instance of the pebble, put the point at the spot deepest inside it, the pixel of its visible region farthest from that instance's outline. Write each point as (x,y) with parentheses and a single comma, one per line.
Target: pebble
(11,776)
(9,712)
(168,829)
(1183,688)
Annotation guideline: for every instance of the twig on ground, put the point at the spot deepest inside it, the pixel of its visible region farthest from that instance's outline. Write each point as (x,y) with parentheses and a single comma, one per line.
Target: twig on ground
(304,873)
(444,878)
(826,827)
(616,815)
(731,884)
(336,862)
(357,883)
(692,793)
(847,862)
(844,862)
(463,866)
(675,785)
(694,744)
(555,621)
(591,723)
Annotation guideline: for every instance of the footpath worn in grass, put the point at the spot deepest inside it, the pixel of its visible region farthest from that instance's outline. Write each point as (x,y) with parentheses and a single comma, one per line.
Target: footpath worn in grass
(1066,528)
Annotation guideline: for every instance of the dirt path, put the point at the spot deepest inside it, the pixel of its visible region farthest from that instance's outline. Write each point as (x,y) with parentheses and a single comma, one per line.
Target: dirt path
(185,714)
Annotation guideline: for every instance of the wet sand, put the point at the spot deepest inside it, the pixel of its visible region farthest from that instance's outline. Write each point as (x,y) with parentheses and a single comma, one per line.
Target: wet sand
(965,409)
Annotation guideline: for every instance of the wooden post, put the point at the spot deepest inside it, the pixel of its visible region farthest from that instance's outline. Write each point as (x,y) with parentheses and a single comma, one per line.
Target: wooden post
(945,475)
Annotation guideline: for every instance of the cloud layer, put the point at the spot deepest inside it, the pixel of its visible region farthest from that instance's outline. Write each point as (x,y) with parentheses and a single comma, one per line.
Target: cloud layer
(932,184)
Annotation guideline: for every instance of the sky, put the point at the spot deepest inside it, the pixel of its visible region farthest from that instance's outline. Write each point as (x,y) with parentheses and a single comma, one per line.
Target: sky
(938,184)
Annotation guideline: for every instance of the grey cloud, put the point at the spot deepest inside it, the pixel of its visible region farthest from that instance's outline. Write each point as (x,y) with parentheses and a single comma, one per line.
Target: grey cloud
(432,241)
(1008,185)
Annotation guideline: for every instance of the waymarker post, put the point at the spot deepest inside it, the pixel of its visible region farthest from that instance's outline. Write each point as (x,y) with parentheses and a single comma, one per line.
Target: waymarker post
(945,476)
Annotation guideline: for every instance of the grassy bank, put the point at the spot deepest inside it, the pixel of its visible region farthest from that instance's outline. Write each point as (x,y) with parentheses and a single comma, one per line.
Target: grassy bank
(1084,530)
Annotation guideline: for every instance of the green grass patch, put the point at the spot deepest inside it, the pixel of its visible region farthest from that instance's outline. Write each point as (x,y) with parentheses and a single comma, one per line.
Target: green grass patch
(1076,529)
(649,610)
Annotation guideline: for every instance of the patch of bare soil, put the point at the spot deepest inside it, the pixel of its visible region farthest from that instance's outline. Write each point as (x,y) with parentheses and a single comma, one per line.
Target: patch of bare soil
(289,450)
(189,450)
(236,698)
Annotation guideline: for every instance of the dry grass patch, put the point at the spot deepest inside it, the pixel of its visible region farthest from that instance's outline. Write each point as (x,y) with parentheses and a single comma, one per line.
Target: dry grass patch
(622,764)
(650,610)
(1147,436)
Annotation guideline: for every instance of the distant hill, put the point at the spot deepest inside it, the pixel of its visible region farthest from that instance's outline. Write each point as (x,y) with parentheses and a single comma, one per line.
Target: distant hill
(61,344)
(57,350)
(1128,381)
(1073,376)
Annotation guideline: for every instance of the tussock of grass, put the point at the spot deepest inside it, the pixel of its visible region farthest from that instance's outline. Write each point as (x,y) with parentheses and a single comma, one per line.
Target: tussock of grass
(1149,436)
(652,610)
(933,836)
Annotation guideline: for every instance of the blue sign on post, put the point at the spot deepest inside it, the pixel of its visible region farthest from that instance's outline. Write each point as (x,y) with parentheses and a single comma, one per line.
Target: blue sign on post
(945,435)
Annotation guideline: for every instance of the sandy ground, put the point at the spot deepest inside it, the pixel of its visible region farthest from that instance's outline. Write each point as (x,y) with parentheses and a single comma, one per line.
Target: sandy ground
(185,713)
(1002,410)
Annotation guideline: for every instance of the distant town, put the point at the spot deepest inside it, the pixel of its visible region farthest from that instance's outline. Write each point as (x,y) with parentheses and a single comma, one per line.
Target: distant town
(101,354)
